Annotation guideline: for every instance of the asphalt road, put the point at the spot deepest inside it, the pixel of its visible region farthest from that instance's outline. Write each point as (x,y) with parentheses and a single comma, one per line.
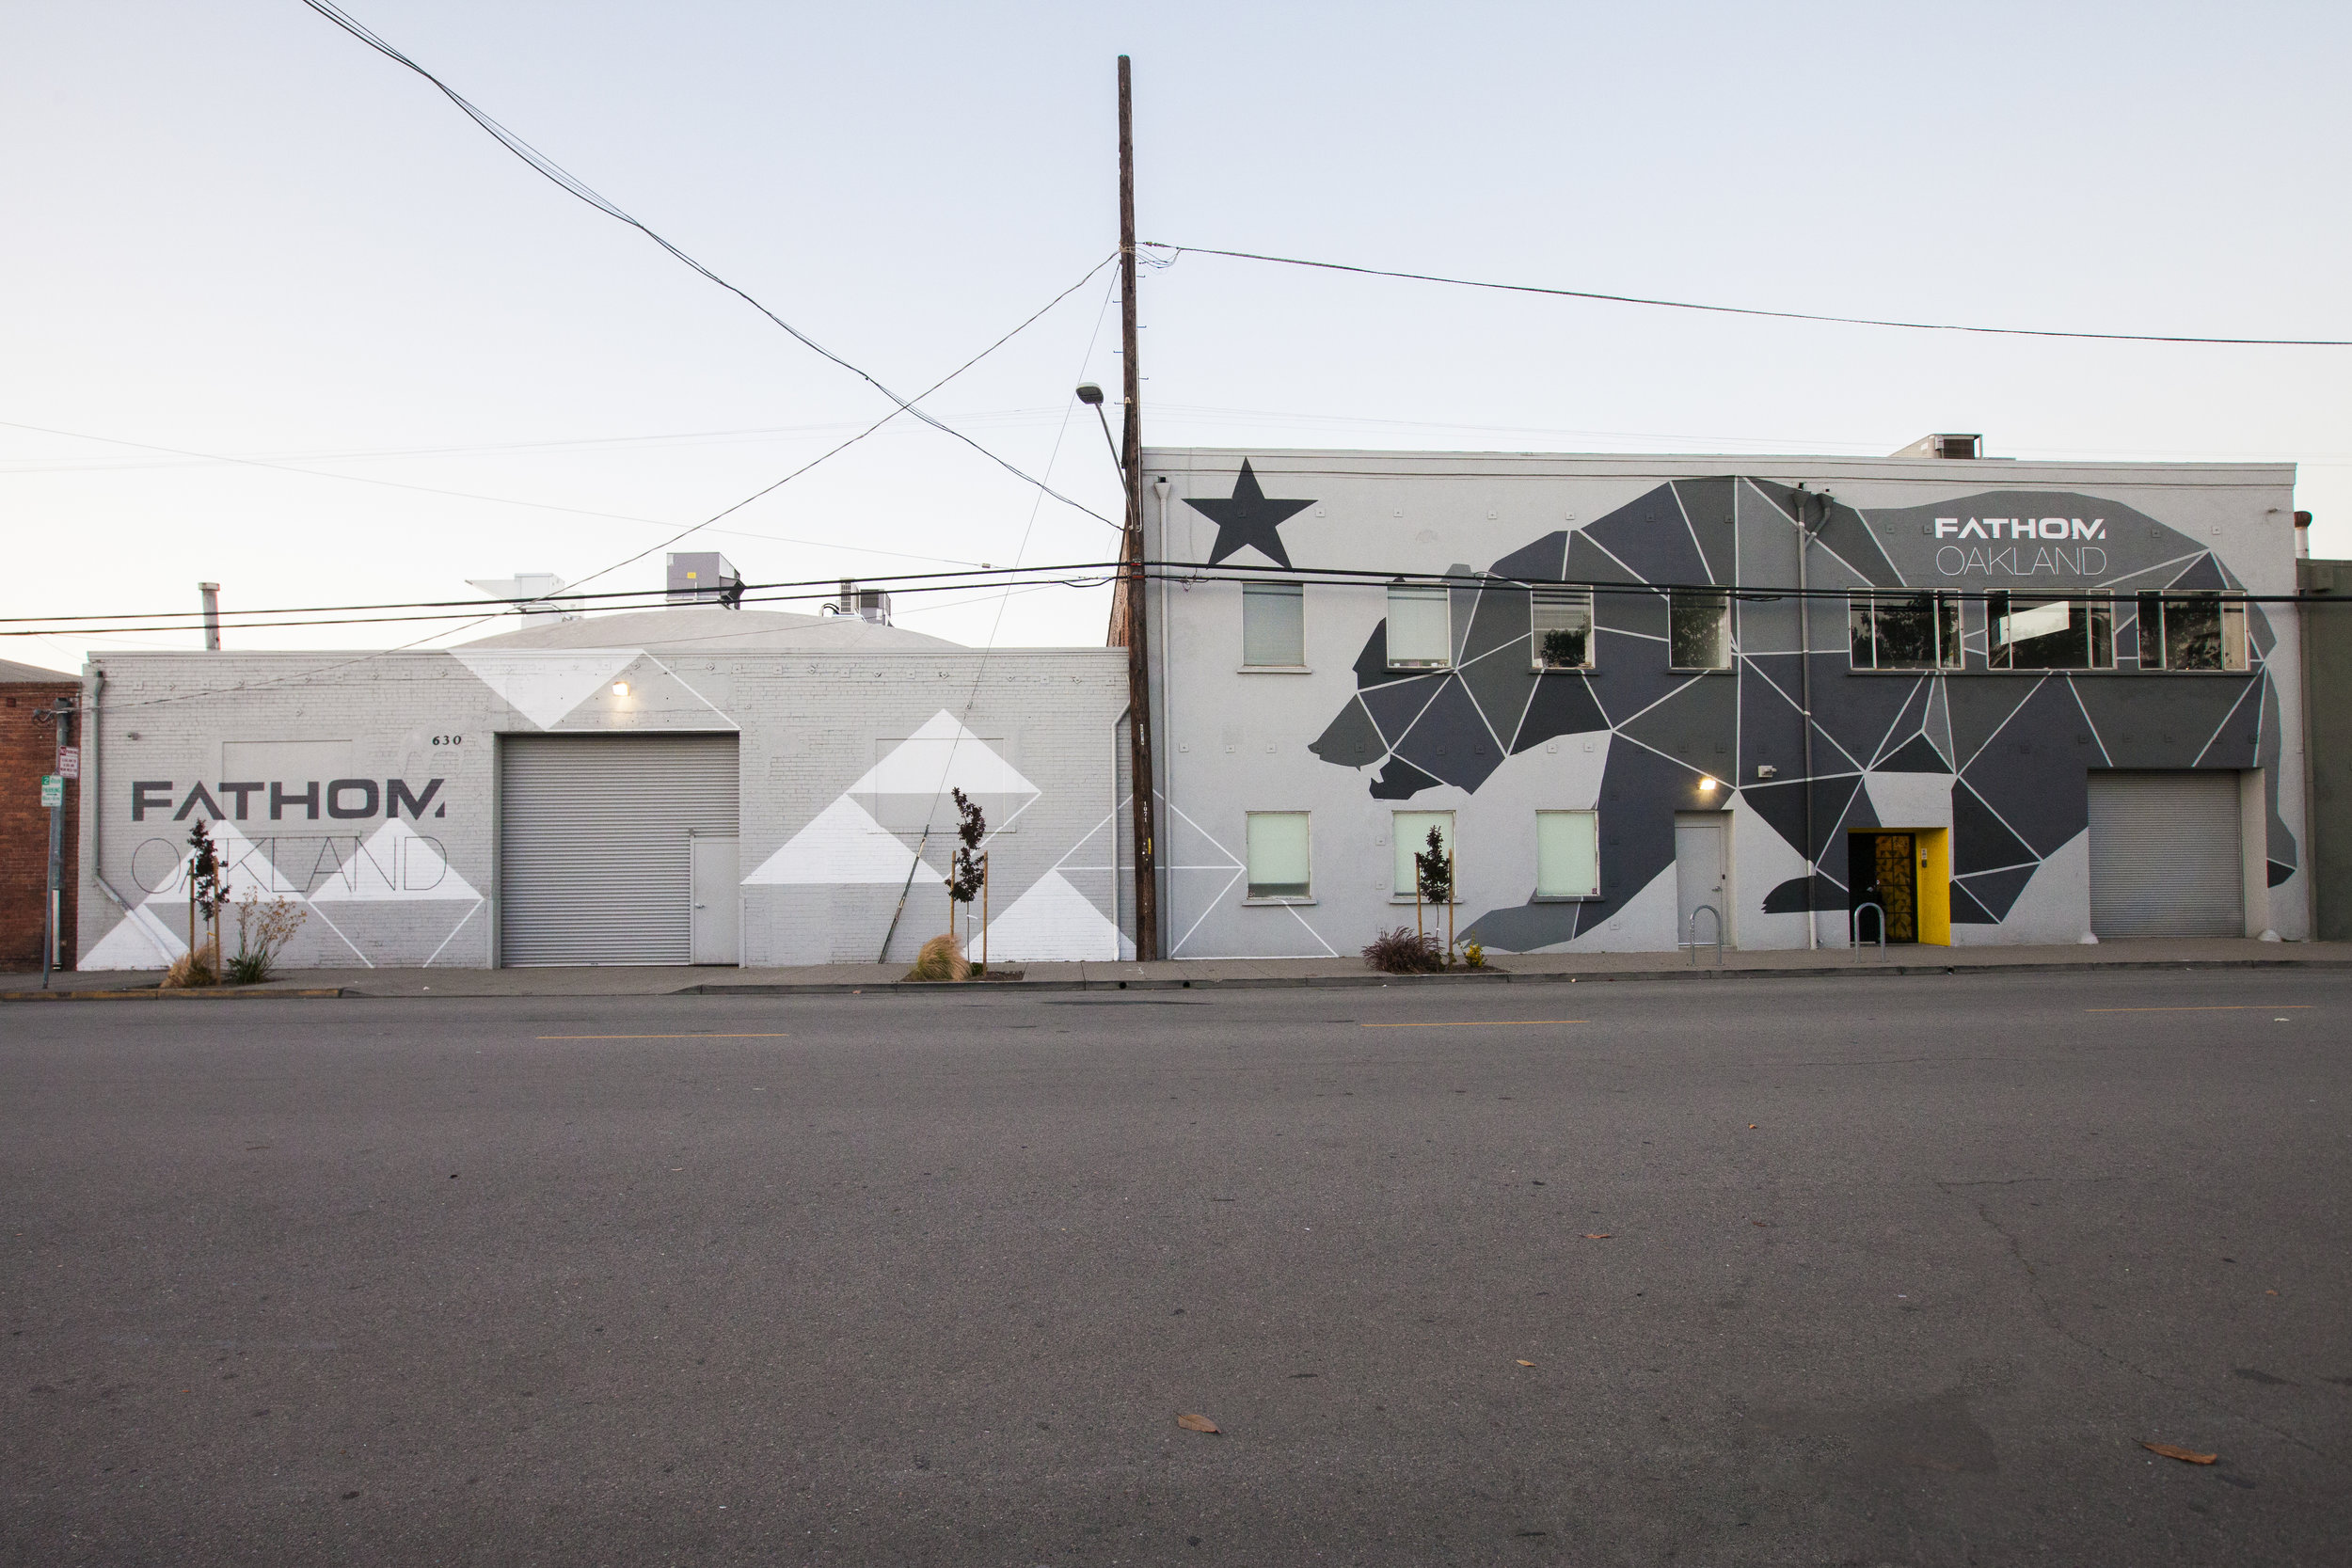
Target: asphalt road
(1840,1270)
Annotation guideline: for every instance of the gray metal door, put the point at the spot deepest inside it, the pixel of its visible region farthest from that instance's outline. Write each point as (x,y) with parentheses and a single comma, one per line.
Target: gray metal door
(718,899)
(594,863)
(2166,859)
(1699,879)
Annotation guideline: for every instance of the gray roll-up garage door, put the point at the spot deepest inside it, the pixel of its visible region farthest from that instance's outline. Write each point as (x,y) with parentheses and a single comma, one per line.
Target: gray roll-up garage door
(594,864)
(2166,859)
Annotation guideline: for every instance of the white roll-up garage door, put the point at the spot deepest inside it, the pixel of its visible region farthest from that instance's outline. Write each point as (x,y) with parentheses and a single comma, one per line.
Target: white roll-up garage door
(2166,859)
(594,863)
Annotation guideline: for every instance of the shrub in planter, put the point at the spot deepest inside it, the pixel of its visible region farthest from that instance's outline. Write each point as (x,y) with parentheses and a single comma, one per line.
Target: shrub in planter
(941,959)
(199,967)
(1404,952)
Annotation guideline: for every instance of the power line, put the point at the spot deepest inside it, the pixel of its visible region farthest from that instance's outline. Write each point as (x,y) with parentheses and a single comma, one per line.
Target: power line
(572,184)
(1084,574)
(1750,310)
(437,490)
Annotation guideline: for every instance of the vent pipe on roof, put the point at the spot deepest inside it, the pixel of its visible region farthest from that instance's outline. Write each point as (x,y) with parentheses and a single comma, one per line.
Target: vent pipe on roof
(210,591)
(2302,537)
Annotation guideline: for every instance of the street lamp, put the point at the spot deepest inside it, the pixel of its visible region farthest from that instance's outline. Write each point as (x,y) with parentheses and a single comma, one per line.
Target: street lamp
(1092,395)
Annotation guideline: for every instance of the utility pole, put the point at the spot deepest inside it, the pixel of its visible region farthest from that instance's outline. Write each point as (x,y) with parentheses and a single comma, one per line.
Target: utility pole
(1131,464)
(52,908)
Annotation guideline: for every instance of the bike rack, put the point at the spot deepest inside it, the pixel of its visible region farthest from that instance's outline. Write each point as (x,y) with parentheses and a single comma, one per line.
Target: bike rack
(1693,934)
(1853,924)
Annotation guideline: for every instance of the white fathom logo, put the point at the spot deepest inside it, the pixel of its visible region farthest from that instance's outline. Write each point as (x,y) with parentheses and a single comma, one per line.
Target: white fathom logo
(2020,528)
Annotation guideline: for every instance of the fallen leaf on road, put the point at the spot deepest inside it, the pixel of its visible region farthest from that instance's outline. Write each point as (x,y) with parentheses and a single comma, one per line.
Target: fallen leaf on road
(1751,1127)
(1527,1363)
(1599,1235)
(2186,1455)
(1197,1423)
(1759,1225)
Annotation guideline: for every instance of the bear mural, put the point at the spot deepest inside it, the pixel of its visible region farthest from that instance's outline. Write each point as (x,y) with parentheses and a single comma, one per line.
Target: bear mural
(2014,746)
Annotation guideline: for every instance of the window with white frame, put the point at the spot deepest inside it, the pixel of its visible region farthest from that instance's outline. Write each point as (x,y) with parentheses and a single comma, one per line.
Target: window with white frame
(2192,631)
(2045,631)
(1903,631)
(1278,861)
(1698,628)
(1561,626)
(1273,625)
(1568,854)
(1421,627)
(1409,834)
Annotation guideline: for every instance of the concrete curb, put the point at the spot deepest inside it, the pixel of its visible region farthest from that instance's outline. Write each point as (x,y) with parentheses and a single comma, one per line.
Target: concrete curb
(1337,982)
(155,994)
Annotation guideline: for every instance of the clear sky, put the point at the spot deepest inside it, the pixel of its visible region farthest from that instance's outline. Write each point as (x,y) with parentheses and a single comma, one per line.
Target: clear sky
(234,231)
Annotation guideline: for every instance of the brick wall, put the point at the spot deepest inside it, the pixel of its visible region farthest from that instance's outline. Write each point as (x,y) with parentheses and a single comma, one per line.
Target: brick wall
(28,748)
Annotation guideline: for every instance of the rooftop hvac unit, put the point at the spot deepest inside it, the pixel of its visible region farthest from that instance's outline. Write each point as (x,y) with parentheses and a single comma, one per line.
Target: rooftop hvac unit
(697,576)
(866,604)
(1944,445)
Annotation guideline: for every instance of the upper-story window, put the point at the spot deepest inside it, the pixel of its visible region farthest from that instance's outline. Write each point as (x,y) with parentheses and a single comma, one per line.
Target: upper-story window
(1561,623)
(1903,631)
(2041,631)
(1421,627)
(2191,631)
(1698,628)
(1273,625)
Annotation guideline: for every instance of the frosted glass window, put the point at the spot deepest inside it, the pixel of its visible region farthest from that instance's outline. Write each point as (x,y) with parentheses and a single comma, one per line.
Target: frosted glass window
(1278,854)
(1568,854)
(1421,630)
(1274,623)
(1561,621)
(1698,630)
(1411,837)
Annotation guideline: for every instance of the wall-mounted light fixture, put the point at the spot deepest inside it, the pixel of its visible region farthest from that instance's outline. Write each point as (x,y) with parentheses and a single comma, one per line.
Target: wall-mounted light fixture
(1707,787)
(620,689)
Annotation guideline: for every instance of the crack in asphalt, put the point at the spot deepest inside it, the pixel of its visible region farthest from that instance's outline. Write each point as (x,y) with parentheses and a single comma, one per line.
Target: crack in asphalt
(2049,1314)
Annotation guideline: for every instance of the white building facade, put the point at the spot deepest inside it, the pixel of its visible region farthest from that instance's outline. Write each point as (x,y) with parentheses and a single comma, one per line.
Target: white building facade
(693,785)
(2046,702)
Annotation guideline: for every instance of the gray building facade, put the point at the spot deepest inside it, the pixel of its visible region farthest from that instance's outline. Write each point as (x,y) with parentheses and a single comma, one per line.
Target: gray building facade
(689,784)
(2044,704)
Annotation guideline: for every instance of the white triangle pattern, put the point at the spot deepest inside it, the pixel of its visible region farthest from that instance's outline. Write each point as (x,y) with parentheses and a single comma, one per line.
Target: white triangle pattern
(940,756)
(1054,921)
(146,937)
(397,864)
(843,844)
(543,685)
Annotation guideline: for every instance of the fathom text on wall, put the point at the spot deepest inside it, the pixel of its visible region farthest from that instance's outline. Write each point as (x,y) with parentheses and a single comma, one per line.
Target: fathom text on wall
(346,799)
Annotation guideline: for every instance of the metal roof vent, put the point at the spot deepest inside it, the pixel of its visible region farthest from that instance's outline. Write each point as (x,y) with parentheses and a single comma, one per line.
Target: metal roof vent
(534,592)
(1944,445)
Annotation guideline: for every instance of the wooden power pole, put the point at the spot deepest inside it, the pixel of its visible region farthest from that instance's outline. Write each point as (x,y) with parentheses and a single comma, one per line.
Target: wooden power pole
(1131,464)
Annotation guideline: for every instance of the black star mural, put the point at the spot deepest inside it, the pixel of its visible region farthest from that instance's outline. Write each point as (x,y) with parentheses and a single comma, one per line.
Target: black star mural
(1247,518)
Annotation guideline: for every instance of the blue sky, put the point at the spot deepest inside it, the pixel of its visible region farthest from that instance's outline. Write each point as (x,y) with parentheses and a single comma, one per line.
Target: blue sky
(237,233)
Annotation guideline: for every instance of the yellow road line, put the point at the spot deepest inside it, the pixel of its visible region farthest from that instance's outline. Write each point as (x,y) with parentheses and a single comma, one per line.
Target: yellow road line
(1481,1024)
(2249,1008)
(665,1037)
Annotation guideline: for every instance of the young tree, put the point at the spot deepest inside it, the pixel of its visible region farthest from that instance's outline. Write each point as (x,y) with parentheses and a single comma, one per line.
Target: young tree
(1433,879)
(206,892)
(967,869)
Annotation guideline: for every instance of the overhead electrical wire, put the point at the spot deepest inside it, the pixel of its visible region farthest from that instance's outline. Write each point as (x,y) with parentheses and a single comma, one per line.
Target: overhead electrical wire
(572,184)
(1076,574)
(1746,309)
(437,490)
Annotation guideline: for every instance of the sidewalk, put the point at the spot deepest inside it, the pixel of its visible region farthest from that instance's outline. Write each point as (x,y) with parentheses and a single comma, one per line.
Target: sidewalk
(1223,973)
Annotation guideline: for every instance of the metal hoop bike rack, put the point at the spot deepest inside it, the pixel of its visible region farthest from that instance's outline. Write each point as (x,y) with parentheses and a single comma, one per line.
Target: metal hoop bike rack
(1692,933)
